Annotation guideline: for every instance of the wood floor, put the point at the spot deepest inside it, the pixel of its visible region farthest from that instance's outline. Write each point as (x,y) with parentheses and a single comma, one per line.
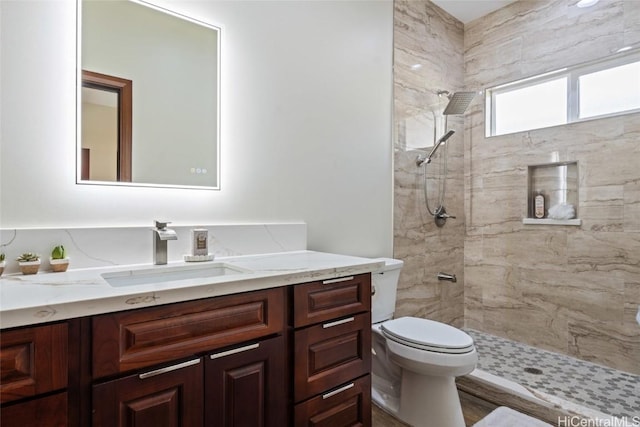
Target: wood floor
(473,409)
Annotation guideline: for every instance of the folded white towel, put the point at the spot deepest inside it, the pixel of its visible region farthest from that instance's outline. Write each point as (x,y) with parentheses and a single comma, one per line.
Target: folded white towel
(507,417)
(562,211)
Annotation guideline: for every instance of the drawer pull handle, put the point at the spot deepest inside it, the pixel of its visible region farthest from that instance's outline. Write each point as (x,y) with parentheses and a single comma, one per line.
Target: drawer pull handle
(168,369)
(234,351)
(339,390)
(338,322)
(341,279)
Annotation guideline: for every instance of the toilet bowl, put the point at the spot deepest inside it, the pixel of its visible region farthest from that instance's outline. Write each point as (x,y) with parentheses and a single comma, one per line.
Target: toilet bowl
(415,361)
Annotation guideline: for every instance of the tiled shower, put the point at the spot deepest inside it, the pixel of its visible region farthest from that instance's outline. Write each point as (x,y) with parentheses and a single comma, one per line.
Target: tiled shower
(569,289)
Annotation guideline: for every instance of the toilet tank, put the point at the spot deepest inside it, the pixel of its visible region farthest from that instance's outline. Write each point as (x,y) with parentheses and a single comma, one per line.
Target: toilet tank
(385,284)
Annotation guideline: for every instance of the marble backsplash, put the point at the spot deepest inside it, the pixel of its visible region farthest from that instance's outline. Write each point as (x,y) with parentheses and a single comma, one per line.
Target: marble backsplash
(100,247)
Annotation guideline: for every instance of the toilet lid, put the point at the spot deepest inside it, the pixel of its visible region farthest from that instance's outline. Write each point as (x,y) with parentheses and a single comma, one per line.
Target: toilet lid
(427,335)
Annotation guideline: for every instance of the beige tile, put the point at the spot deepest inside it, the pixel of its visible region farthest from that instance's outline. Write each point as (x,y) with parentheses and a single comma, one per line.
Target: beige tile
(632,291)
(606,344)
(589,296)
(631,209)
(602,208)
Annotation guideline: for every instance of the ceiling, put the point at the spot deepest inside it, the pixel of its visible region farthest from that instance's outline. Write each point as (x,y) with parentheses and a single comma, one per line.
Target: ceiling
(468,10)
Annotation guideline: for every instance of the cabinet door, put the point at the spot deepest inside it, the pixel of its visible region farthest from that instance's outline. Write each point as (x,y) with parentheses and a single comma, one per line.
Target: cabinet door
(345,406)
(50,411)
(166,397)
(33,361)
(246,386)
(330,354)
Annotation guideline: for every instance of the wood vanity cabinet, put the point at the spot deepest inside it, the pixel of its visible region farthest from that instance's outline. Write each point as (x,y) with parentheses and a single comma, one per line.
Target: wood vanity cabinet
(33,376)
(293,355)
(212,362)
(332,352)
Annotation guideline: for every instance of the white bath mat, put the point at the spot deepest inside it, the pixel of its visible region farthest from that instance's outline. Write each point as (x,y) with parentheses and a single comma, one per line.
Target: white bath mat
(507,417)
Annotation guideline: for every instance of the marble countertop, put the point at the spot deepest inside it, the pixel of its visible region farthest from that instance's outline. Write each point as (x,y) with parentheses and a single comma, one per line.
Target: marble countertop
(47,297)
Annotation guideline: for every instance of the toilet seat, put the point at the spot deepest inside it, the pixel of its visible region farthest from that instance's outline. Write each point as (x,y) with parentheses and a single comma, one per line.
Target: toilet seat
(427,335)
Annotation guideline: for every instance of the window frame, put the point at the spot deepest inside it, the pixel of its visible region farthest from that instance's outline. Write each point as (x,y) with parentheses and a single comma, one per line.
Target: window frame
(573,75)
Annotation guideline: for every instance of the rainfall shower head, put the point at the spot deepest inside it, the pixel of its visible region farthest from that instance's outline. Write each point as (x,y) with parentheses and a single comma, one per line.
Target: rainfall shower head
(458,102)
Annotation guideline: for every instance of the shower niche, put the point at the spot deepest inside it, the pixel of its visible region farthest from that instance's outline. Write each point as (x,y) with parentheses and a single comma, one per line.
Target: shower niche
(557,183)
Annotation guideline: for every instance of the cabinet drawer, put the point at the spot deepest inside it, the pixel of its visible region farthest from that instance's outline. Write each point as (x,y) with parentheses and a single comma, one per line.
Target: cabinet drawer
(346,405)
(331,353)
(50,411)
(33,361)
(146,337)
(166,397)
(321,301)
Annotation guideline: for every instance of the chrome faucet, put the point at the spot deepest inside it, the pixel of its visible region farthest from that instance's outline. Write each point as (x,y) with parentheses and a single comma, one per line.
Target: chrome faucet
(160,236)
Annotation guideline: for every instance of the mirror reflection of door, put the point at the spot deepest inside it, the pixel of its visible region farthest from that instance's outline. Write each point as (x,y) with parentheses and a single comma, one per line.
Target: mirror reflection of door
(106,127)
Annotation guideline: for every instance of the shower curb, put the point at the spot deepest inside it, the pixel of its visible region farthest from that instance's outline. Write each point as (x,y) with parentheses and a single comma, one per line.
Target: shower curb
(503,392)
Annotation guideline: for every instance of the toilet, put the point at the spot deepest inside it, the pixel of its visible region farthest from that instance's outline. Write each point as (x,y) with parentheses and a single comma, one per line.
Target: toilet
(415,361)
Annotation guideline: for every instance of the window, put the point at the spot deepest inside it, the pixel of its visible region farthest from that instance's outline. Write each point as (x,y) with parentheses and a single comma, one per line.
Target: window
(603,88)
(520,109)
(609,91)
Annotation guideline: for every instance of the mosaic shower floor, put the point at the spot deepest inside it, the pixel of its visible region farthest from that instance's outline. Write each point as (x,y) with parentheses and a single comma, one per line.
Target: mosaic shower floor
(593,386)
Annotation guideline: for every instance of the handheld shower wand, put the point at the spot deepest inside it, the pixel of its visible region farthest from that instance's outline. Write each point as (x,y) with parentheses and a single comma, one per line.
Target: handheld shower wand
(422,160)
(457,105)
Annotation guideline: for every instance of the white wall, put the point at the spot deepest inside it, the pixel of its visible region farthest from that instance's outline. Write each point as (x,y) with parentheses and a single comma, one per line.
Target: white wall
(306,123)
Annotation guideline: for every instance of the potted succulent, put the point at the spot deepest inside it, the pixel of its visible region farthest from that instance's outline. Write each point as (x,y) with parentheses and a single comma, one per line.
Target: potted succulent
(29,263)
(1,263)
(59,261)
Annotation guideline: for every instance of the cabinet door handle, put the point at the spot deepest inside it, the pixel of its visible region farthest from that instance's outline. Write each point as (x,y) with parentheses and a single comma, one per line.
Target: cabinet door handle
(234,351)
(336,391)
(338,280)
(168,369)
(338,322)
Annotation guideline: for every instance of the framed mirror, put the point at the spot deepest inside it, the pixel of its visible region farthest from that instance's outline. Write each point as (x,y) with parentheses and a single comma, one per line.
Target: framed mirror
(148,97)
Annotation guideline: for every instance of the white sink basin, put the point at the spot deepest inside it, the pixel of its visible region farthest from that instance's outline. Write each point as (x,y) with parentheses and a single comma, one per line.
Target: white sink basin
(171,274)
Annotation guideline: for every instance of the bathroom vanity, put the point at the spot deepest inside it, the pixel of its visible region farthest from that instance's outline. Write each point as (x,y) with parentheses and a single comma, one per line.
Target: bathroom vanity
(285,343)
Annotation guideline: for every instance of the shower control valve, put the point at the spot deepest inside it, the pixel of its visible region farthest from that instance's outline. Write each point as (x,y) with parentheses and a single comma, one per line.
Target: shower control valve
(445,216)
(440,216)
(441,213)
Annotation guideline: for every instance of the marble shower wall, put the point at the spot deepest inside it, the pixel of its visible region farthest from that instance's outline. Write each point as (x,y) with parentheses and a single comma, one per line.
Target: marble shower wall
(428,56)
(574,290)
